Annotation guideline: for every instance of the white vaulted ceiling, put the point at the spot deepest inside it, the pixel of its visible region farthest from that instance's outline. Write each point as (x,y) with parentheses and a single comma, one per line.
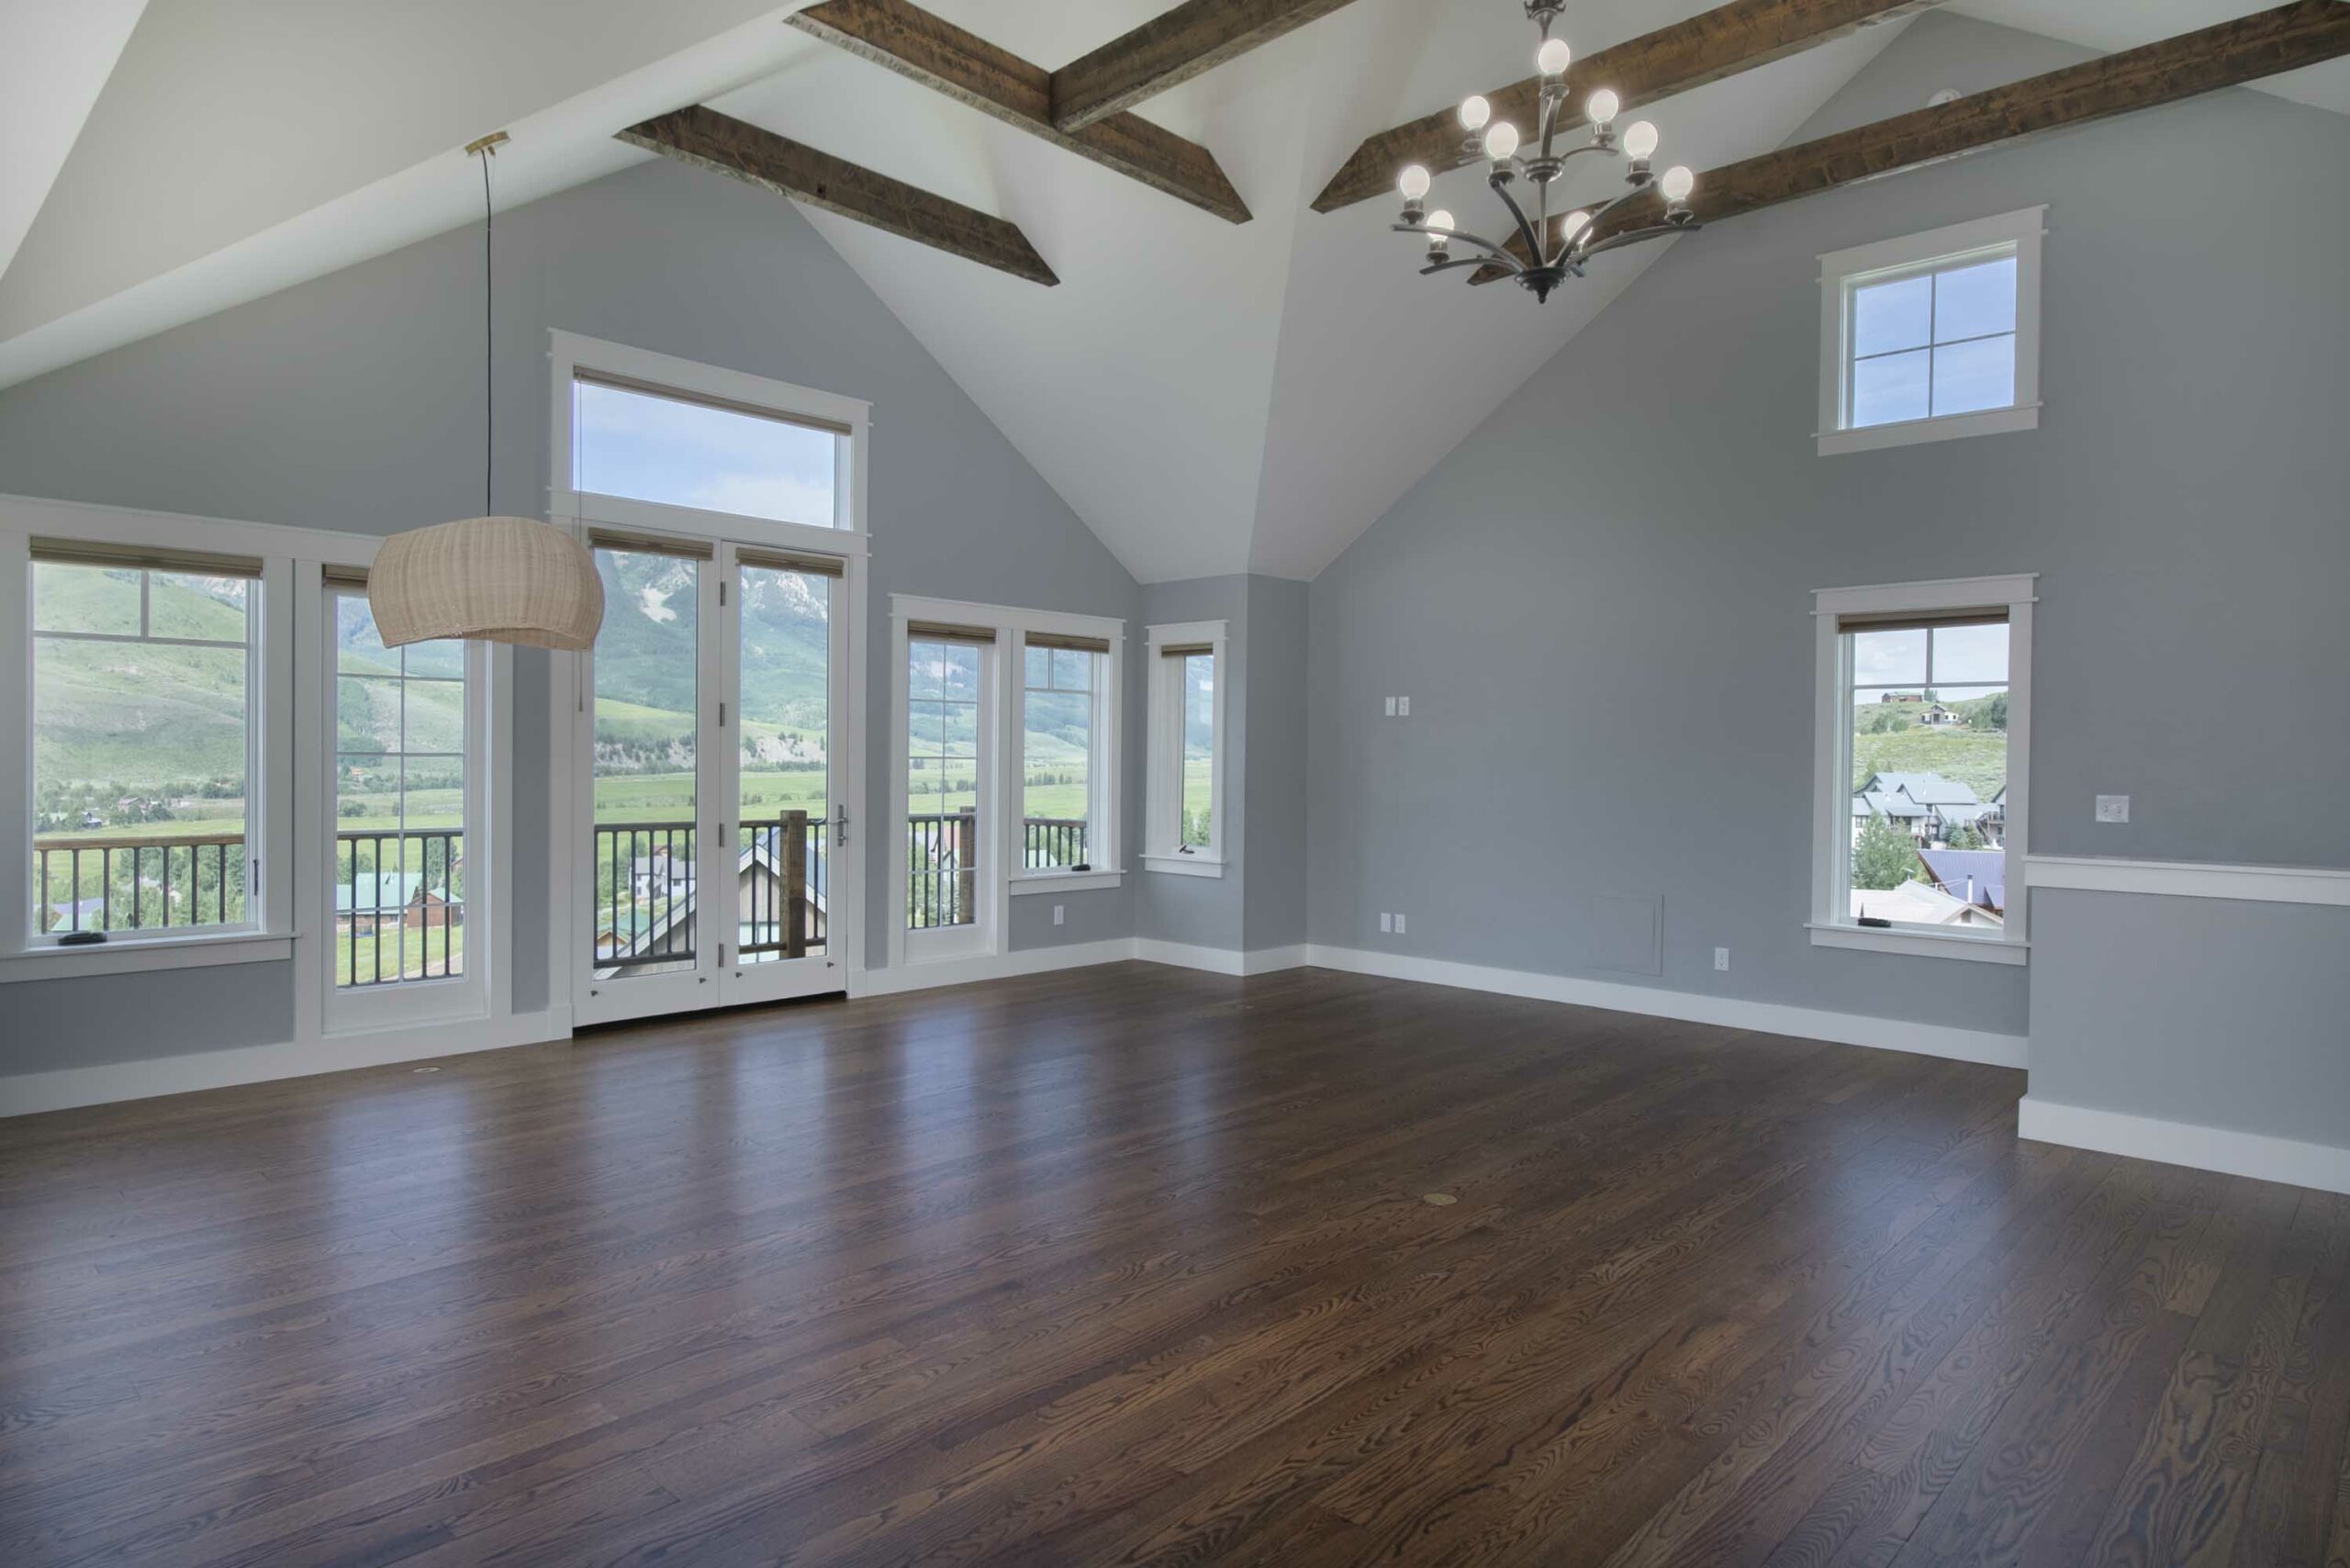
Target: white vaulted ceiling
(1211,397)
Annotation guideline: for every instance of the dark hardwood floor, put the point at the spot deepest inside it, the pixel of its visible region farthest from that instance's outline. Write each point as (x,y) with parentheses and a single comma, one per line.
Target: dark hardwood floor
(1135,1264)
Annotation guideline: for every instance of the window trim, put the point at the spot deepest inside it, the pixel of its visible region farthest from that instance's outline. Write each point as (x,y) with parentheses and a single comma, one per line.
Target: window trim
(2019,233)
(1162,849)
(1001,716)
(1832,925)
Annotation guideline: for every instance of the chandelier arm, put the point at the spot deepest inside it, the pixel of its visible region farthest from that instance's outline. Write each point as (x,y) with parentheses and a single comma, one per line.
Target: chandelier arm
(1526,231)
(1491,254)
(1501,258)
(1634,236)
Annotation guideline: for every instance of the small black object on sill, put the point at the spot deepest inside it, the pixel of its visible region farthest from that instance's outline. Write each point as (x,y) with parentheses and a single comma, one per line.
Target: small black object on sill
(81,938)
(1876,924)
(1080,865)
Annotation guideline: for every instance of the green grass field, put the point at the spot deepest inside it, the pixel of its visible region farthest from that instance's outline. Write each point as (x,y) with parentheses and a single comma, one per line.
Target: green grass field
(1977,758)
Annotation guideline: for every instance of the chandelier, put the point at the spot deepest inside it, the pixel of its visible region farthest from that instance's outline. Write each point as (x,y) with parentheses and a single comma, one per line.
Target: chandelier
(1553,249)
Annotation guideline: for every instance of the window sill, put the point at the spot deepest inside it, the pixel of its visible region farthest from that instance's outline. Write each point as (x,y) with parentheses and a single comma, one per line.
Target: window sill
(115,957)
(1922,943)
(1064,882)
(1909,433)
(1184,865)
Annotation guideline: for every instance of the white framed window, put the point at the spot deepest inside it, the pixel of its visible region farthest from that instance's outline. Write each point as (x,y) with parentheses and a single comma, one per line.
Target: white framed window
(1922,768)
(407,741)
(1931,336)
(1185,796)
(1006,750)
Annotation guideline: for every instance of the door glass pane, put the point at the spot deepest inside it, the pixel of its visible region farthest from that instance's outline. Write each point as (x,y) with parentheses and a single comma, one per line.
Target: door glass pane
(785,660)
(646,666)
(399,828)
(140,742)
(1057,756)
(1199,750)
(650,448)
(942,842)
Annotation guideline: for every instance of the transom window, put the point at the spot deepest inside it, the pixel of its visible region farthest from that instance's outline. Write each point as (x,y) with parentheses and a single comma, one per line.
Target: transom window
(1931,336)
(645,445)
(143,742)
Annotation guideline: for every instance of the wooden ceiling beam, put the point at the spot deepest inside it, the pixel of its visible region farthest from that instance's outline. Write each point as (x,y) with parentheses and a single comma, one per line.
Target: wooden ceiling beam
(1706,48)
(965,67)
(2265,43)
(1171,48)
(708,140)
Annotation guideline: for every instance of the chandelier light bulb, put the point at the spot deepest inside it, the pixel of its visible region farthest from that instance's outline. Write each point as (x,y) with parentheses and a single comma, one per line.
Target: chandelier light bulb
(1553,58)
(1601,106)
(1475,111)
(1414,183)
(1639,139)
(1678,183)
(1572,224)
(1441,220)
(1501,140)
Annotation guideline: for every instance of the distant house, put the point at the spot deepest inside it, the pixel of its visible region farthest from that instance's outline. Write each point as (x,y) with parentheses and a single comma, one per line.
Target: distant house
(1930,807)
(1977,878)
(1903,697)
(1919,904)
(369,900)
(82,914)
(1937,717)
(662,921)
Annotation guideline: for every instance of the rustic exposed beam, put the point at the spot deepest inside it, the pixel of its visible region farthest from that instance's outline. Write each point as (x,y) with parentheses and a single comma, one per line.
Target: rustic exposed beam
(709,140)
(2307,32)
(910,40)
(1173,46)
(1706,48)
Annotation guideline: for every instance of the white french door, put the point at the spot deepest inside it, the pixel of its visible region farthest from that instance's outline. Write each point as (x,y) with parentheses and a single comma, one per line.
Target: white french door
(712,769)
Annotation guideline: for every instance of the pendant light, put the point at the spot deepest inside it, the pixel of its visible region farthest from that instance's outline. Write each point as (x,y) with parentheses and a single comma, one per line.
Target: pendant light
(497,579)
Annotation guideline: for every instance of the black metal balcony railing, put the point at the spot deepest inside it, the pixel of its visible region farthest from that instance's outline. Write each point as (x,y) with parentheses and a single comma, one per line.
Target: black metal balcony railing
(85,883)
(399,903)
(645,891)
(942,862)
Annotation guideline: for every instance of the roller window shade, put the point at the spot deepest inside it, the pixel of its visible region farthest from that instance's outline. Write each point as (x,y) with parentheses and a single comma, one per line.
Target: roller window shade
(792,561)
(346,580)
(1916,620)
(1185,650)
(670,395)
(145,558)
(1074,645)
(652,544)
(947,631)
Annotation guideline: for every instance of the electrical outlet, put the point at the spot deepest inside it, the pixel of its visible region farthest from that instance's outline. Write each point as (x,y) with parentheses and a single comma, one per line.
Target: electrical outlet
(1403,707)
(1399,925)
(1386,922)
(2113,808)
(1721,958)
(1060,915)
(1391,707)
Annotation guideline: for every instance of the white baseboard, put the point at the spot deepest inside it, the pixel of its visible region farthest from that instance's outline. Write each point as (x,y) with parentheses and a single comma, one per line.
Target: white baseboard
(988,967)
(25,1093)
(1772,1017)
(1218,960)
(2185,1143)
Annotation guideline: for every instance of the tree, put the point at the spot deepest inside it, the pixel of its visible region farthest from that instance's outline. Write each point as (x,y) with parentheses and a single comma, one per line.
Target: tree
(1883,856)
(1965,837)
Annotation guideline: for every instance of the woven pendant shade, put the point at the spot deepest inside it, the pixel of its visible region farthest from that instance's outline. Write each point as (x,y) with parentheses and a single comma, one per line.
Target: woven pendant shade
(498,580)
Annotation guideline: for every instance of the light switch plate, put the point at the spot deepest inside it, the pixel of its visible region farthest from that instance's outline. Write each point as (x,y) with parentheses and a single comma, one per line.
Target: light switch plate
(1391,707)
(2113,808)
(1403,707)
(1387,922)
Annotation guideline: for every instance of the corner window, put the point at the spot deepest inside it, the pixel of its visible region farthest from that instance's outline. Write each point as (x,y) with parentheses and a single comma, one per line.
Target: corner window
(1185,794)
(143,745)
(1932,336)
(1924,738)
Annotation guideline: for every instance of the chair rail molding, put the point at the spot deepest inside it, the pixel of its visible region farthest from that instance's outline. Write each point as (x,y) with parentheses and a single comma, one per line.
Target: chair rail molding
(2189,879)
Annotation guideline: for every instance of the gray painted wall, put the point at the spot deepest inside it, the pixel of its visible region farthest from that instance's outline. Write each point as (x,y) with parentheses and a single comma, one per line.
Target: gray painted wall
(1273,791)
(353,402)
(1599,602)
(2216,1012)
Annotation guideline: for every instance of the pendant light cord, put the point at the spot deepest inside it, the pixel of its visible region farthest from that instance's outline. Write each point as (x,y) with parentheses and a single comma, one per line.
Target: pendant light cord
(489,340)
